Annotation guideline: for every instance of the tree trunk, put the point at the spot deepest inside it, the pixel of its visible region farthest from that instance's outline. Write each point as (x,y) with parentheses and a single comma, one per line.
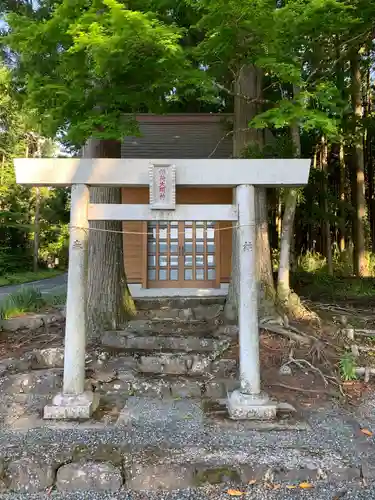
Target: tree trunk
(109,301)
(342,200)
(342,87)
(369,160)
(326,222)
(267,293)
(360,265)
(283,279)
(36,230)
(249,86)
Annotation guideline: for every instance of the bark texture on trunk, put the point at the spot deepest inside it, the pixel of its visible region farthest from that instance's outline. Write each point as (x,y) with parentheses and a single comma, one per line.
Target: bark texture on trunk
(342,200)
(247,87)
(109,301)
(360,264)
(36,230)
(267,293)
(283,280)
(326,222)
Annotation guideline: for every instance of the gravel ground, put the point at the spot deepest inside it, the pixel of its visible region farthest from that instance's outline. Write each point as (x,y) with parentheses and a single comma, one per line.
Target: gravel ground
(334,439)
(178,432)
(343,492)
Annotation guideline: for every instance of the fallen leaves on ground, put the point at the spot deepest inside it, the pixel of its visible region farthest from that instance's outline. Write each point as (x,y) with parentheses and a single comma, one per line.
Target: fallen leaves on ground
(235,493)
(253,481)
(366,432)
(273,486)
(306,486)
(291,486)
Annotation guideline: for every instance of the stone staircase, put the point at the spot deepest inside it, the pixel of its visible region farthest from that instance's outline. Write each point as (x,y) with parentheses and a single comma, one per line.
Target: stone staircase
(162,429)
(174,348)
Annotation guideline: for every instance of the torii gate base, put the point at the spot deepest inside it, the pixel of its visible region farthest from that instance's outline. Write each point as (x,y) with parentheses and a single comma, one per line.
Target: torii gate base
(161,176)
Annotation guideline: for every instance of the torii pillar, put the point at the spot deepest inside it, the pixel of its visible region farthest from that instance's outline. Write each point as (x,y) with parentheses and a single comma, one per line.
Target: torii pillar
(248,402)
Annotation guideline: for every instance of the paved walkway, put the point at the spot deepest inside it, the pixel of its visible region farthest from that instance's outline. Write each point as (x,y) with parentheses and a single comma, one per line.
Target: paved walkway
(50,285)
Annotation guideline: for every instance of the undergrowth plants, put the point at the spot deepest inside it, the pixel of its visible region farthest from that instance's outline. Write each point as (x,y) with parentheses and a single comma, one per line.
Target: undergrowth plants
(28,299)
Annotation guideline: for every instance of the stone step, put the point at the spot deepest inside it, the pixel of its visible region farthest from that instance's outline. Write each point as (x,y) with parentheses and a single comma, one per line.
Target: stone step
(185,364)
(177,302)
(106,469)
(172,327)
(130,341)
(167,386)
(208,313)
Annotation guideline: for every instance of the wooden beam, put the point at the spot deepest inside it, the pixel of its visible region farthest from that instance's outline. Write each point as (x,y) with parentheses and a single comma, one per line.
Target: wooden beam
(144,213)
(135,172)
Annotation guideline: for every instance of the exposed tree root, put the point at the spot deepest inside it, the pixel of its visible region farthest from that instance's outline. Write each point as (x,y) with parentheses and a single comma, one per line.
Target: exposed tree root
(303,364)
(300,338)
(301,389)
(294,308)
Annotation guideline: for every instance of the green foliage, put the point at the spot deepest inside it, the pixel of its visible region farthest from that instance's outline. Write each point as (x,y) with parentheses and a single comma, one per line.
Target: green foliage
(80,67)
(17,203)
(27,276)
(85,65)
(323,287)
(311,262)
(347,367)
(55,299)
(287,112)
(27,299)
(280,146)
(55,245)
(314,262)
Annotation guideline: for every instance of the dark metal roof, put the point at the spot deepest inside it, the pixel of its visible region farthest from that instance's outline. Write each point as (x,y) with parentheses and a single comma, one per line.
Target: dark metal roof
(181,136)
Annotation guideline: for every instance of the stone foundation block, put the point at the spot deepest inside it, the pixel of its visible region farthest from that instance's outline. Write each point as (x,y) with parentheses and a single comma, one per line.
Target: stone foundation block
(224,367)
(186,314)
(198,365)
(149,364)
(98,453)
(253,472)
(344,474)
(90,476)
(29,475)
(215,390)
(40,382)
(51,357)
(186,389)
(138,325)
(208,312)
(167,314)
(296,475)
(116,386)
(69,407)
(121,340)
(250,407)
(209,474)
(29,322)
(152,388)
(175,364)
(159,477)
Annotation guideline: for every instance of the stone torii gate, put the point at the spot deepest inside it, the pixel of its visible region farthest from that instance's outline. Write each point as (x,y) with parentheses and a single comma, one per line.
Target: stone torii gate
(161,176)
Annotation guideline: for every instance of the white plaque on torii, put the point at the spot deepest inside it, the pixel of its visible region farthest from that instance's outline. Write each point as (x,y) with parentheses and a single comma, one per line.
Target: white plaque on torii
(162,187)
